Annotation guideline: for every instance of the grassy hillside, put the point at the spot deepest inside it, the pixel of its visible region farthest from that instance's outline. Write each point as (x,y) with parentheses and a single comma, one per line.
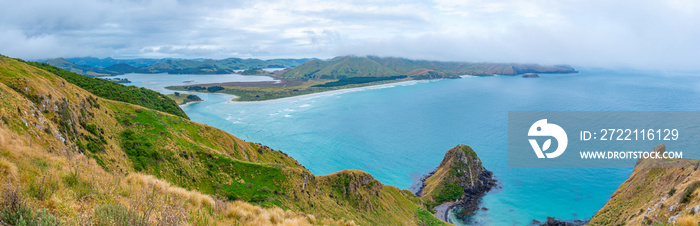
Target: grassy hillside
(68,155)
(658,192)
(352,66)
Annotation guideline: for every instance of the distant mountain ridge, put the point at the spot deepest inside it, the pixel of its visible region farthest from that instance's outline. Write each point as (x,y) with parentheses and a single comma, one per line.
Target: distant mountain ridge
(354,66)
(336,68)
(91,66)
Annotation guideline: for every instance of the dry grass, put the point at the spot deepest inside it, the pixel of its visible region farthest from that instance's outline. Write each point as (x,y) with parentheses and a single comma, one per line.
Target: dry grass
(8,171)
(687,220)
(237,211)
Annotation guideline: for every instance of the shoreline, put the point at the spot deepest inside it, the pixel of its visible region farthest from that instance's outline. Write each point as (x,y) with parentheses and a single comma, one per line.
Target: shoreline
(329,92)
(188,103)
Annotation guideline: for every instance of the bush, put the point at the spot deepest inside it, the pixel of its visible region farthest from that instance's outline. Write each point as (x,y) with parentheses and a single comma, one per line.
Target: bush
(214,89)
(688,192)
(450,192)
(672,191)
(194,98)
(139,149)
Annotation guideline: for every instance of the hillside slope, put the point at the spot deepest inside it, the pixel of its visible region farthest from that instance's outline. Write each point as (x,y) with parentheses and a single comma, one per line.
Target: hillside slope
(658,192)
(372,66)
(80,158)
(110,90)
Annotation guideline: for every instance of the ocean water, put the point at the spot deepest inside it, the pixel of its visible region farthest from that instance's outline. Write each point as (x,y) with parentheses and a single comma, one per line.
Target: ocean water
(399,132)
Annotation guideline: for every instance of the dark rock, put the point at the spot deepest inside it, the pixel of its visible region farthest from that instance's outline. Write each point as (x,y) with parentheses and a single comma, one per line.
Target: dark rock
(530,75)
(551,221)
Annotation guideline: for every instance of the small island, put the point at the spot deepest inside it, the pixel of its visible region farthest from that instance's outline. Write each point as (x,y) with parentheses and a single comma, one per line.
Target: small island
(181,99)
(530,75)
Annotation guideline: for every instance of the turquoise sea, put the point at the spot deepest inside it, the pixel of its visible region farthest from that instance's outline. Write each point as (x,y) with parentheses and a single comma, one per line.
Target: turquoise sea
(400,132)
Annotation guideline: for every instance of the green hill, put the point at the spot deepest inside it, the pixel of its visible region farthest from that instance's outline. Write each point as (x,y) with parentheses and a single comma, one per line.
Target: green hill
(372,66)
(80,69)
(68,155)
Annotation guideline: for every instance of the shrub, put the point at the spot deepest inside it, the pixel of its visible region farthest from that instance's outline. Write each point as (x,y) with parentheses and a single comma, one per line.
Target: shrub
(450,192)
(194,98)
(672,191)
(214,89)
(139,149)
(688,192)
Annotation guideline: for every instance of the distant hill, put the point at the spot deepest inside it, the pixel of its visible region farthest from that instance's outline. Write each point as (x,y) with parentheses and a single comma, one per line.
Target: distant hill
(353,66)
(121,68)
(80,69)
(106,62)
(103,67)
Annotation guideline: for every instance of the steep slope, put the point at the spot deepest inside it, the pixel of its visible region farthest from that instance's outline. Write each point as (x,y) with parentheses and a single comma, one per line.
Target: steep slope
(459,181)
(658,192)
(110,90)
(82,158)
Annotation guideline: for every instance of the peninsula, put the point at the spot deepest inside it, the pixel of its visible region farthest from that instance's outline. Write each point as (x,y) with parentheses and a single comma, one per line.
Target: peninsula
(352,71)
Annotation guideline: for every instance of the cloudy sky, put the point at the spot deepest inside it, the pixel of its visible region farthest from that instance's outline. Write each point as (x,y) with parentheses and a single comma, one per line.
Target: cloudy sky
(648,33)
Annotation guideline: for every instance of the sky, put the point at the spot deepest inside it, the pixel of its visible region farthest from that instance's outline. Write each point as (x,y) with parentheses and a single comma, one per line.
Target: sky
(601,33)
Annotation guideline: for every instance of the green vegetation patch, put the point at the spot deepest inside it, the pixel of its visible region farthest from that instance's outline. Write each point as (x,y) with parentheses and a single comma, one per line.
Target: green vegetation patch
(255,183)
(688,192)
(139,149)
(359,80)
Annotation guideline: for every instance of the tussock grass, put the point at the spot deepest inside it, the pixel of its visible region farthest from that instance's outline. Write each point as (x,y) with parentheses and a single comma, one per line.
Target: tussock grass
(8,171)
(238,211)
(687,220)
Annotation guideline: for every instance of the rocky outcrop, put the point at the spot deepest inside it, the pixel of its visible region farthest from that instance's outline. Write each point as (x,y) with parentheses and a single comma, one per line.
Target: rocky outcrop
(659,191)
(460,181)
(551,221)
(530,75)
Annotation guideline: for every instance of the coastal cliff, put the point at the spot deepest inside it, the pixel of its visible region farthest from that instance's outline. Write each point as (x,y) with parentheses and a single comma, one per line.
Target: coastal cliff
(658,192)
(459,182)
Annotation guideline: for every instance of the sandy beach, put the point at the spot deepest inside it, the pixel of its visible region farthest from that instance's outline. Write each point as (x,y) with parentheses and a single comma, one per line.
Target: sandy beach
(332,92)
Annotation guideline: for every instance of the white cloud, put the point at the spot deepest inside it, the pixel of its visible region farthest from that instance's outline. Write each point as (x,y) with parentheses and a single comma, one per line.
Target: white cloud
(581,32)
